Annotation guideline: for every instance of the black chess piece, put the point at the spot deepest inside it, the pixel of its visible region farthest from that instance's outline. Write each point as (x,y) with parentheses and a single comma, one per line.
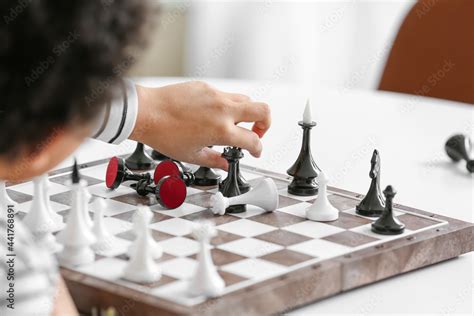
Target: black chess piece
(373,203)
(244,186)
(139,159)
(117,173)
(173,168)
(155,154)
(459,147)
(304,171)
(205,176)
(230,186)
(387,223)
(170,191)
(75,176)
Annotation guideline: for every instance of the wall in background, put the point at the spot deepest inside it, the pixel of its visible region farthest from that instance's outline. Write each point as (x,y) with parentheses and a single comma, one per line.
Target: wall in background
(335,43)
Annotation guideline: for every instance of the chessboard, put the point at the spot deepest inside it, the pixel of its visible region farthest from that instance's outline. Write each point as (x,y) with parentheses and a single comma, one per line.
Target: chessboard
(270,262)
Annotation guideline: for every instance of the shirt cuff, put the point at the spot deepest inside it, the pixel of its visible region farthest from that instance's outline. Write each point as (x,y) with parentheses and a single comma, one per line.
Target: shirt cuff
(117,120)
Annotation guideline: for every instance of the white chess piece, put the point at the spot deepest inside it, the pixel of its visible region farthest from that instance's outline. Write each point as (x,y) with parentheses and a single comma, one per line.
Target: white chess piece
(264,195)
(104,239)
(86,200)
(206,281)
(142,218)
(322,210)
(57,219)
(6,200)
(77,236)
(39,221)
(142,268)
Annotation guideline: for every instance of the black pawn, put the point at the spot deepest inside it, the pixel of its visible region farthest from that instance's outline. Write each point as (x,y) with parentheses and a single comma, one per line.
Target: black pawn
(155,154)
(373,203)
(459,147)
(230,186)
(387,223)
(170,192)
(139,159)
(117,173)
(205,176)
(304,171)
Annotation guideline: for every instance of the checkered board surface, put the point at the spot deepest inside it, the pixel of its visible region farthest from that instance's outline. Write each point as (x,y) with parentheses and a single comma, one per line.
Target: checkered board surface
(250,247)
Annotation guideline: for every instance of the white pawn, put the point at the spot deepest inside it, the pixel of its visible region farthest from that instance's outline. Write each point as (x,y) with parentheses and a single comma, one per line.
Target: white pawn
(87,198)
(39,221)
(104,239)
(142,268)
(57,219)
(206,281)
(6,200)
(264,195)
(142,217)
(322,210)
(77,236)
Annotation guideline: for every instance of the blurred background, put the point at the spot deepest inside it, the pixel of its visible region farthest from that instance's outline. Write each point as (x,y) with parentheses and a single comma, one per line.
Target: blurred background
(341,44)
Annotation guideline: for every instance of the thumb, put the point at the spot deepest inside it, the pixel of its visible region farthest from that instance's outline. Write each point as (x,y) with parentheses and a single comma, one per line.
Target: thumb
(208,157)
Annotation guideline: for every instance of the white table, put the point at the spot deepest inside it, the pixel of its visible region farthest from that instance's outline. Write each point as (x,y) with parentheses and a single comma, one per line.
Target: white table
(410,133)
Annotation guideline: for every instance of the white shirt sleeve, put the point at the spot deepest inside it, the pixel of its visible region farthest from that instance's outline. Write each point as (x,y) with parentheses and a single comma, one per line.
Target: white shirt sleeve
(117,120)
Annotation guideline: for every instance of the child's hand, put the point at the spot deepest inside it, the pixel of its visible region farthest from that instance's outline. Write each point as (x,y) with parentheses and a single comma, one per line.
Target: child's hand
(181,120)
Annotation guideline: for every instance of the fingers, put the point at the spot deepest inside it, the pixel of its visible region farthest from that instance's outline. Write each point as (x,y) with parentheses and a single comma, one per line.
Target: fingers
(208,157)
(245,139)
(237,97)
(257,112)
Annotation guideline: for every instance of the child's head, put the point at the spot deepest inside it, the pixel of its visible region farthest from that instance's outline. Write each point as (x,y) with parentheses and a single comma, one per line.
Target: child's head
(60,62)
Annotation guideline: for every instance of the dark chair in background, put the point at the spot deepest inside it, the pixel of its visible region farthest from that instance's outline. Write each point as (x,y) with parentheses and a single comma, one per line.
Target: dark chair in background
(433,53)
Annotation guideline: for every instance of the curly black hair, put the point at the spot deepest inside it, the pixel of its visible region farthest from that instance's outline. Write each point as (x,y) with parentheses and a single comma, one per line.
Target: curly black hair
(60,62)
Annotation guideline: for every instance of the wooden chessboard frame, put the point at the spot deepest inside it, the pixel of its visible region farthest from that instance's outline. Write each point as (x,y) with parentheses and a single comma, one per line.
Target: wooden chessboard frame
(297,288)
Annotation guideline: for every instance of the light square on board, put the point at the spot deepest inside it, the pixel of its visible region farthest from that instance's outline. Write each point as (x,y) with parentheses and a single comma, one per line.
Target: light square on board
(367,230)
(183,210)
(109,269)
(254,268)
(250,247)
(348,221)
(116,226)
(102,190)
(174,226)
(284,192)
(28,188)
(97,172)
(57,207)
(180,246)
(112,207)
(296,209)
(251,210)
(179,268)
(246,228)
(119,246)
(313,229)
(177,292)
(342,203)
(320,248)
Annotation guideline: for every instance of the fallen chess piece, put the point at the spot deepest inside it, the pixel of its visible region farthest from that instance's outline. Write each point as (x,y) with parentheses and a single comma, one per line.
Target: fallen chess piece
(373,203)
(117,173)
(142,268)
(459,147)
(173,168)
(77,237)
(264,195)
(170,191)
(322,210)
(388,223)
(304,171)
(205,281)
(139,159)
